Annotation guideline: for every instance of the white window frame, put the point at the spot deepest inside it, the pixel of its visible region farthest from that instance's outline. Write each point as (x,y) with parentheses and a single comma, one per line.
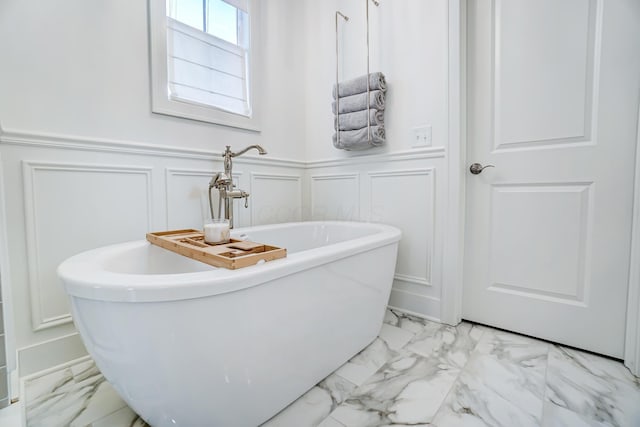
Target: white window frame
(161,102)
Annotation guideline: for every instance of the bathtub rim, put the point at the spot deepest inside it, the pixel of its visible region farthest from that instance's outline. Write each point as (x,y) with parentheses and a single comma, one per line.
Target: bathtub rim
(83,275)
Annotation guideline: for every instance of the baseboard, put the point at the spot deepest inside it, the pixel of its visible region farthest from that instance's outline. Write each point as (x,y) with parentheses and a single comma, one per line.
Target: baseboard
(49,354)
(416,305)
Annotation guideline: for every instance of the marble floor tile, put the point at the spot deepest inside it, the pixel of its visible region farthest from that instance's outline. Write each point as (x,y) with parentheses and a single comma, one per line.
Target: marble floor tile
(406,390)
(404,321)
(513,367)
(395,337)
(308,411)
(73,396)
(330,422)
(557,416)
(124,417)
(451,345)
(597,388)
(472,404)
(366,363)
(338,387)
(315,405)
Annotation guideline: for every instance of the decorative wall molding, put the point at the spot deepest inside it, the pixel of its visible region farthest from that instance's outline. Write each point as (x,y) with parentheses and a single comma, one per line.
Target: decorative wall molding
(59,350)
(172,173)
(415,304)
(415,154)
(336,177)
(428,215)
(78,143)
(258,198)
(412,279)
(33,237)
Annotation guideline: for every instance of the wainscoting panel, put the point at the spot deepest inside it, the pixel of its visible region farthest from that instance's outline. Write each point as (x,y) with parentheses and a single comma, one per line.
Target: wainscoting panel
(70,208)
(399,189)
(275,198)
(188,202)
(405,199)
(335,197)
(66,195)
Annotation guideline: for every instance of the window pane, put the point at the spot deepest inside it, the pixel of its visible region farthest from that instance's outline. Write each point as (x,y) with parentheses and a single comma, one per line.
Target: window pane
(188,12)
(222,21)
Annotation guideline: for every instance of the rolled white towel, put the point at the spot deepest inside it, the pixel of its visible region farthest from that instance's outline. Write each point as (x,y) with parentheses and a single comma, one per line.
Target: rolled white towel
(352,140)
(358,102)
(358,119)
(359,84)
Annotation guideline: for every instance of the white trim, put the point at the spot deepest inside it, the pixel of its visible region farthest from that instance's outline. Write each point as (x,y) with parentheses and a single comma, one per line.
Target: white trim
(160,101)
(415,154)
(58,351)
(453,251)
(56,368)
(334,177)
(427,280)
(412,279)
(79,143)
(105,145)
(255,176)
(417,304)
(29,168)
(7,300)
(413,313)
(632,339)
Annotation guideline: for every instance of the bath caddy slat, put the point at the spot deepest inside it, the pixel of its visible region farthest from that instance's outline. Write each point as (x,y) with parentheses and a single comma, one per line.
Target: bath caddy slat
(232,255)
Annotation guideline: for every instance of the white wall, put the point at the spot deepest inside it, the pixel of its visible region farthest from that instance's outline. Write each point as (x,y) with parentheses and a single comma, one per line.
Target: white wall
(408,43)
(81,150)
(86,163)
(81,68)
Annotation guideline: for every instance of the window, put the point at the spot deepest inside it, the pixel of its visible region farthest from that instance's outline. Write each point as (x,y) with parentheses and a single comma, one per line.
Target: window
(200,60)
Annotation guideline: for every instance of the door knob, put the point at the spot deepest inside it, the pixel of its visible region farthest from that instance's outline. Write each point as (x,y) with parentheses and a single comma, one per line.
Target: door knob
(477,168)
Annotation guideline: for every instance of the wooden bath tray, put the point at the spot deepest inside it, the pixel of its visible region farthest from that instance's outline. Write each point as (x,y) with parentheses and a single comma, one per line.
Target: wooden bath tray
(232,255)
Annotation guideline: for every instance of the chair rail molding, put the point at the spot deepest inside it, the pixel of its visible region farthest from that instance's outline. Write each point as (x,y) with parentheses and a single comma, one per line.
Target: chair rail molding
(106,145)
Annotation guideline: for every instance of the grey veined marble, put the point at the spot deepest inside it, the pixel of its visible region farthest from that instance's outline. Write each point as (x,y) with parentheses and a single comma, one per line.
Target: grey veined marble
(596,388)
(416,373)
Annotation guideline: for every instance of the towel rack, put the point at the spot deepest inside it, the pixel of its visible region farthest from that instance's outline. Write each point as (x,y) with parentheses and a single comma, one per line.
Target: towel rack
(346,18)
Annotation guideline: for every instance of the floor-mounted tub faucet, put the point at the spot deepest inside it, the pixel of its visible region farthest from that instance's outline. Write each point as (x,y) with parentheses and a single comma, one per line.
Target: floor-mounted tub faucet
(223,182)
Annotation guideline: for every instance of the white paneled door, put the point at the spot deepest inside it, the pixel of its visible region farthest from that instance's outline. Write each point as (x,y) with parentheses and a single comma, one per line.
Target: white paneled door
(553,91)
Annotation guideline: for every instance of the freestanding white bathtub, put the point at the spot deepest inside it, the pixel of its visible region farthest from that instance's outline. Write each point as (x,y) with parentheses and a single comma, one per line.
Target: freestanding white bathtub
(187,344)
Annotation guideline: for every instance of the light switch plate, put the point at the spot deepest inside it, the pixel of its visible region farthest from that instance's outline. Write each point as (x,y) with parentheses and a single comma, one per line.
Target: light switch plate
(421,136)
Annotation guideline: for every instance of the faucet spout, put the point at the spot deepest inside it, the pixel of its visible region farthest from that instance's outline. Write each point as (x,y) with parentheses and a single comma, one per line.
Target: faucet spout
(261,150)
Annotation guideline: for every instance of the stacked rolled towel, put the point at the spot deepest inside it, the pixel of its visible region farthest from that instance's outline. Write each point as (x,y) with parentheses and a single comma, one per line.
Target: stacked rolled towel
(354,112)
(359,85)
(359,139)
(359,119)
(358,102)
